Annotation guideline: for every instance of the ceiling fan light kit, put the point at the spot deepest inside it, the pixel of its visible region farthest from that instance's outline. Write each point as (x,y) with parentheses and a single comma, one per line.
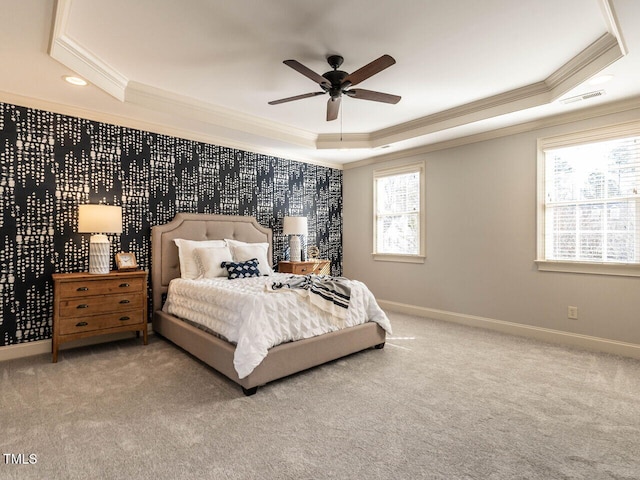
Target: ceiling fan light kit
(337,82)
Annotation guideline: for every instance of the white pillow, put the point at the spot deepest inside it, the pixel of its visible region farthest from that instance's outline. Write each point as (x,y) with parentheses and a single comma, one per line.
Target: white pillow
(243,251)
(209,260)
(188,265)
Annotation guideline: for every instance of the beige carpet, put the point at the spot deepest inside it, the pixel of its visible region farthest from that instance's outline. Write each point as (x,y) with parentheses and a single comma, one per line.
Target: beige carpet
(440,401)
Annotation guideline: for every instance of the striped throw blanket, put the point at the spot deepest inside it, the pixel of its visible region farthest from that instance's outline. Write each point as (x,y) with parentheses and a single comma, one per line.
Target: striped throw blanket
(331,294)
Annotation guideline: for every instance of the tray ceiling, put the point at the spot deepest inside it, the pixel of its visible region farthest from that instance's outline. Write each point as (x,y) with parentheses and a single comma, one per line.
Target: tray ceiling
(207,68)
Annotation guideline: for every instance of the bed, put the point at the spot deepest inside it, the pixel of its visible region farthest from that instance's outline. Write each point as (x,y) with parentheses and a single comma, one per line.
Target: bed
(280,360)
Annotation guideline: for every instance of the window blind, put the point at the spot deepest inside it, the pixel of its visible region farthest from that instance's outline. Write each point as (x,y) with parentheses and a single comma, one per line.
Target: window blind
(592,202)
(398,213)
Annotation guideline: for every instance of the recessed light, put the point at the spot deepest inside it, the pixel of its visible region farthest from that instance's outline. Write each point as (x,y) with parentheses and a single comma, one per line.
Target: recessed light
(75,80)
(599,80)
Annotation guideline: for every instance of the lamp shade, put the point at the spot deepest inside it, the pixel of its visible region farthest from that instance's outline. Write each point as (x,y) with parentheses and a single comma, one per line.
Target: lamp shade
(99,219)
(294,226)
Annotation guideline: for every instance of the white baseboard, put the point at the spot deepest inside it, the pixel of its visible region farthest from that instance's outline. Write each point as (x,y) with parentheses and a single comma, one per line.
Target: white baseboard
(545,334)
(39,347)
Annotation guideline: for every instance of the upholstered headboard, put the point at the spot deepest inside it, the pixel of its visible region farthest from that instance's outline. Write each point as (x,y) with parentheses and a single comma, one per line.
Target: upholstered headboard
(196,226)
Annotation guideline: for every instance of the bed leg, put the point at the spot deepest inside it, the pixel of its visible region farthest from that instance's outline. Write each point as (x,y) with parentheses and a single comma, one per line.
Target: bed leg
(249,391)
(379,346)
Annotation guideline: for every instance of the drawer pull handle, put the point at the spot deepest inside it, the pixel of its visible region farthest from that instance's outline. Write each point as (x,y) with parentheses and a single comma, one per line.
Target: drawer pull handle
(83,305)
(81,324)
(124,285)
(124,319)
(82,289)
(124,301)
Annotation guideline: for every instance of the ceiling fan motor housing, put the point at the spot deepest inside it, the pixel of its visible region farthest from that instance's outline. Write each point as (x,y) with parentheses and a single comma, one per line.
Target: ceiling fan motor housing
(335,77)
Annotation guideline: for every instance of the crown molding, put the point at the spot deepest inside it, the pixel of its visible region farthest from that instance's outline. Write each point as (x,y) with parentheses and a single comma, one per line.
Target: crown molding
(587,63)
(168,102)
(613,25)
(347,141)
(79,59)
(508,102)
(594,58)
(72,55)
(155,127)
(561,119)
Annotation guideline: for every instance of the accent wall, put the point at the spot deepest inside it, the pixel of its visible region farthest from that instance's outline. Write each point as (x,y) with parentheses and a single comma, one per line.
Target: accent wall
(51,163)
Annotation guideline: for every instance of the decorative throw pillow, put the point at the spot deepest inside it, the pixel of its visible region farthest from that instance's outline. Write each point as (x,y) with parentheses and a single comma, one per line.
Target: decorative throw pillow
(243,251)
(242,269)
(209,260)
(188,264)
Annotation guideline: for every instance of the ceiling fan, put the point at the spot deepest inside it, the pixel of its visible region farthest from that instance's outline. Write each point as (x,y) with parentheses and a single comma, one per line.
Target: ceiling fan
(336,82)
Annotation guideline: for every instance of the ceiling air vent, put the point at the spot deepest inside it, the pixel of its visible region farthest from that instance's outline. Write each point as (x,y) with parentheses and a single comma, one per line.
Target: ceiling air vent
(584,96)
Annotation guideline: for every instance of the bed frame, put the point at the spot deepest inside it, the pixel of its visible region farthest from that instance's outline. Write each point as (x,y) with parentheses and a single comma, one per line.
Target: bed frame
(282,360)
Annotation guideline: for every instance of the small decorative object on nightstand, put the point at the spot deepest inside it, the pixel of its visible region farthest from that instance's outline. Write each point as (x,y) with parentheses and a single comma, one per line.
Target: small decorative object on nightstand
(86,304)
(126,261)
(317,267)
(313,252)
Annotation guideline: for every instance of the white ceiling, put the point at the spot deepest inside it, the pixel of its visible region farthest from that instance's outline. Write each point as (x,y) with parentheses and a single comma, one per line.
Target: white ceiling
(205,69)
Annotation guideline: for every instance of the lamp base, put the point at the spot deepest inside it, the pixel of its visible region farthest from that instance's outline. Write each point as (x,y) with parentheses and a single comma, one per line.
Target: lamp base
(294,248)
(99,254)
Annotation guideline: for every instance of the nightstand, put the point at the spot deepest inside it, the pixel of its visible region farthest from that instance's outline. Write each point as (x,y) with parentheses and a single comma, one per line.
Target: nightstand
(87,304)
(318,267)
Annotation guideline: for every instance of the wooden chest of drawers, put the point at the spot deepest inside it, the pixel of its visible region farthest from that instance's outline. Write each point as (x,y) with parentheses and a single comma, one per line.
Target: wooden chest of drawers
(318,267)
(87,304)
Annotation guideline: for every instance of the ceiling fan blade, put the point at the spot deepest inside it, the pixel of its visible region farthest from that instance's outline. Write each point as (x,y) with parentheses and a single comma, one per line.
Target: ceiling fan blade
(333,107)
(363,94)
(297,97)
(368,70)
(307,72)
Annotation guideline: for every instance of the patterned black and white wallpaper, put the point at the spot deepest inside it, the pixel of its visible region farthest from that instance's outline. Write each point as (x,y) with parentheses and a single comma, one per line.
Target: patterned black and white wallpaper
(51,163)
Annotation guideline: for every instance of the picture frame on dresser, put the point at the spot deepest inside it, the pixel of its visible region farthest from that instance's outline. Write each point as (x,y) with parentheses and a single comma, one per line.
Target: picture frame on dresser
(126,261)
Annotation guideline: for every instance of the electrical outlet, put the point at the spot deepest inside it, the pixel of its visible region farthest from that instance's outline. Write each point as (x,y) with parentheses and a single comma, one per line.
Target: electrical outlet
(572,312)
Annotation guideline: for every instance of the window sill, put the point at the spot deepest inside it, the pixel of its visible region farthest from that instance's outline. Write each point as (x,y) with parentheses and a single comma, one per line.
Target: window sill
(397,257)
(620,269)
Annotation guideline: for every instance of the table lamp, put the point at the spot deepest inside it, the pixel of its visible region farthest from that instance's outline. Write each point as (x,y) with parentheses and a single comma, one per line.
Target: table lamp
(98,220)
(294,226)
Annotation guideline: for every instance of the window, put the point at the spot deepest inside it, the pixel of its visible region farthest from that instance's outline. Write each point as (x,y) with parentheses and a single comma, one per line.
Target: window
(589,202)
(399,233)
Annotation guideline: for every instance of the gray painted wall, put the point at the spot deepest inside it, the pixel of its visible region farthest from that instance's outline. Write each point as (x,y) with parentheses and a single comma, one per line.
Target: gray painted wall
(481,243)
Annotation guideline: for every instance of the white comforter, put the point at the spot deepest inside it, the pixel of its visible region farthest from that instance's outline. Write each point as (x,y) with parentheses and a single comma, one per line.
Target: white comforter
(255,320)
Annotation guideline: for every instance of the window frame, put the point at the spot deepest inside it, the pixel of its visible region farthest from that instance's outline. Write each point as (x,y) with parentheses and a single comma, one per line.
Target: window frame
(611,132)
(399,257)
